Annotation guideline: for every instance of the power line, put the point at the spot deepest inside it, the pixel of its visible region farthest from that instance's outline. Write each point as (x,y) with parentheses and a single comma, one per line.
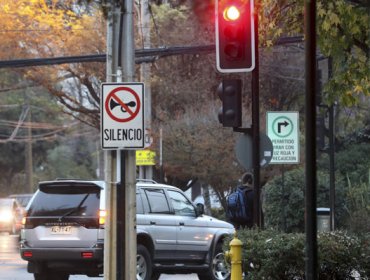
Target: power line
(47,136)
(21,119)
(142,55)
(45,30)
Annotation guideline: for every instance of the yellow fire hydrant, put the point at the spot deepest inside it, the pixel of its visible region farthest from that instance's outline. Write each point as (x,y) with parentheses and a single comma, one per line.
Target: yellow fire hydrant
(234,256)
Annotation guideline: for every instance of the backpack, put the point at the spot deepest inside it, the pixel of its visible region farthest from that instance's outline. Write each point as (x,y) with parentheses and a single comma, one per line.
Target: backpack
(238,209)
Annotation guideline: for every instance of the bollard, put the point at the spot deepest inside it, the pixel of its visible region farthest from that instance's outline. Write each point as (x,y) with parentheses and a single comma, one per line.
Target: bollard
(234,256)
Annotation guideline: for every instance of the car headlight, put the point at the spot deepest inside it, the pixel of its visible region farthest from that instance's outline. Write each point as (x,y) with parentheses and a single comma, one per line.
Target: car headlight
(6,216)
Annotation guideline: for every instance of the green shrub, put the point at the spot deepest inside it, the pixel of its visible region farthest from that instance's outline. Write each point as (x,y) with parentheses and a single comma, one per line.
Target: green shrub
(269,254)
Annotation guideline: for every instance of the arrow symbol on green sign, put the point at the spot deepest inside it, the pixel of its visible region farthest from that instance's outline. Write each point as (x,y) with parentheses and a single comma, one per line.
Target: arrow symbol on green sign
(280,124)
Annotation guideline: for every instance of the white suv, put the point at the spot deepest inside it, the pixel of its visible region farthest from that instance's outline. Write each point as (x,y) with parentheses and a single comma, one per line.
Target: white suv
(64,232)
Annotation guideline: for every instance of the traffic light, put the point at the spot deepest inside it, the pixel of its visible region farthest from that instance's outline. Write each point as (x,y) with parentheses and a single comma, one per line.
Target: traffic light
(235,50)
(230,93)
(321,133)
(319,88)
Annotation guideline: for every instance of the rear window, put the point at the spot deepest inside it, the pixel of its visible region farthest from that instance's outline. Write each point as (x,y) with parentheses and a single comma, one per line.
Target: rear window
(4,203)
(65,200)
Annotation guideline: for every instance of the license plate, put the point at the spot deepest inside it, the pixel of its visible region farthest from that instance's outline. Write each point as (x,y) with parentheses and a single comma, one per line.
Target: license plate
(61,230)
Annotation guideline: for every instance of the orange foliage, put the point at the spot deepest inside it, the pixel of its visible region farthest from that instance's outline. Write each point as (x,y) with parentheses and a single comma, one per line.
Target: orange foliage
(39,28)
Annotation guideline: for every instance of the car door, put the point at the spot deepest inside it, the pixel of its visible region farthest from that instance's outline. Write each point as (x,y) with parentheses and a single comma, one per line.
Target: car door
(161,223)
(193,235)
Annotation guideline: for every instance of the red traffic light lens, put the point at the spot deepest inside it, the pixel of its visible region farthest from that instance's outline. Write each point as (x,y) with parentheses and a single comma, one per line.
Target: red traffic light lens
(231,13)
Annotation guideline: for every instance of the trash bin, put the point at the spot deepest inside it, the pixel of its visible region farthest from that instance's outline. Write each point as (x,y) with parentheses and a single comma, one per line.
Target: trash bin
(323,219)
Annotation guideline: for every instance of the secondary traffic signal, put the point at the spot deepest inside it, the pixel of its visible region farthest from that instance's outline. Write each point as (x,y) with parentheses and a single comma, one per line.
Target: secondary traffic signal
(235,50)
(230,93)
(321,133)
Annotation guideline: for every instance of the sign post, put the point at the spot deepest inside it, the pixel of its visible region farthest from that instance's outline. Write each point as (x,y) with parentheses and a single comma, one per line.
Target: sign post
(283,130)
(122,116)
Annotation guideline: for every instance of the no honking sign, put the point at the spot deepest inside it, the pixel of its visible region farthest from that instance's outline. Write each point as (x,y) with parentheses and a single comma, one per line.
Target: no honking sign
(122,116)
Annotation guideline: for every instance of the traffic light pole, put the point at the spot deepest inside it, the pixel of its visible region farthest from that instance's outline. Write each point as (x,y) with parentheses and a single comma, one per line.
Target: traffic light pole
(331,154)
(236,29)
(256,130)
(310,136)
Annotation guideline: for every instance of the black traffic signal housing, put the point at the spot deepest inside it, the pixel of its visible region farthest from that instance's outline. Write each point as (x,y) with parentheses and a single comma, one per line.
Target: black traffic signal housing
(230,93)
(321,133)
(235,41)
(319,87)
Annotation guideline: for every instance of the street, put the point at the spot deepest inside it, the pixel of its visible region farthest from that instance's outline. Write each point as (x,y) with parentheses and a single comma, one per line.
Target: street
(12,267)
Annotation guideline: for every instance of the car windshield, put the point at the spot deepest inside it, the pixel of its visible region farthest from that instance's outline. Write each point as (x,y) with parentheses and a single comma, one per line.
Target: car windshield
(22,199)
(64,204)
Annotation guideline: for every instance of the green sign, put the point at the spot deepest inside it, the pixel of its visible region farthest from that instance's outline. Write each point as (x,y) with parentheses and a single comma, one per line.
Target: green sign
(283,130)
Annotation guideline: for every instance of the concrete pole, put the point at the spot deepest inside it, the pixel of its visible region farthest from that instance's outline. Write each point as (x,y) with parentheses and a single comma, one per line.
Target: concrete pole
(29,160)
(128,162)
(146,172)
(110,157)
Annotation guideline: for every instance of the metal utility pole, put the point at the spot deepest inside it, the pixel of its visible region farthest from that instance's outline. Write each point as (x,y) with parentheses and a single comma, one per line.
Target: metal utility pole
(332,167)
(256,130)
(331,153)
(310,135)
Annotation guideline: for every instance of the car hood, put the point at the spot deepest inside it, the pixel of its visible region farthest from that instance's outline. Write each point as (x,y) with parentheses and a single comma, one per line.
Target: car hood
(214,222)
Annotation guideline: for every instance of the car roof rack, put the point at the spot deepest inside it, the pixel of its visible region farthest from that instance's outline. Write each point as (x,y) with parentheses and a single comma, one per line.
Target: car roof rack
(146,180)
(69,179)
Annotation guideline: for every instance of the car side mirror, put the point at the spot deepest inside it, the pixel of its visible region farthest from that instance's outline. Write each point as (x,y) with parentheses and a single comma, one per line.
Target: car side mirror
(200,209)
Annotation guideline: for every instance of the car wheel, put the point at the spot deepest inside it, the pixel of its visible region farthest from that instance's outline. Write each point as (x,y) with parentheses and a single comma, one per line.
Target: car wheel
(218,269)
(155,276)
(143,263)
(51,275)
(60,276)
(41,276)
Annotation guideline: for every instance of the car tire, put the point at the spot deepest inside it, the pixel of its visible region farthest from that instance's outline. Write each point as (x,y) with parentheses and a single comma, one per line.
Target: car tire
(144,263)
(50,275)
(155,276)
(60,276)
(41,276)
(218,269)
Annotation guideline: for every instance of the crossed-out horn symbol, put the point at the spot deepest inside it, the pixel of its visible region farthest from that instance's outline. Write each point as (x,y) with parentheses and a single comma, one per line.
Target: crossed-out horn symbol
(113,104)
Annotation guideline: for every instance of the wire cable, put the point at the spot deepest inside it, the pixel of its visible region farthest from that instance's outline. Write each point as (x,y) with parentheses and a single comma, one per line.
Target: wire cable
(21,119)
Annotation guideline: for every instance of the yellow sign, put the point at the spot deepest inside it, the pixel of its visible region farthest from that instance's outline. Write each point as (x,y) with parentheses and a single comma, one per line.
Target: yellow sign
(145,157)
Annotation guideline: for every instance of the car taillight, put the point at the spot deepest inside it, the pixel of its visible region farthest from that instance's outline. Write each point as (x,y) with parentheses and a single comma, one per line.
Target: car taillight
(27,254)
(26,223)
(102,216)
(24,219)
(87,255)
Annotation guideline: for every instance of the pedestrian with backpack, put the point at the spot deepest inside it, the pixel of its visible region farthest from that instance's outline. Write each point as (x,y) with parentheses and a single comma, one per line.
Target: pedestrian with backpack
(240,203)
